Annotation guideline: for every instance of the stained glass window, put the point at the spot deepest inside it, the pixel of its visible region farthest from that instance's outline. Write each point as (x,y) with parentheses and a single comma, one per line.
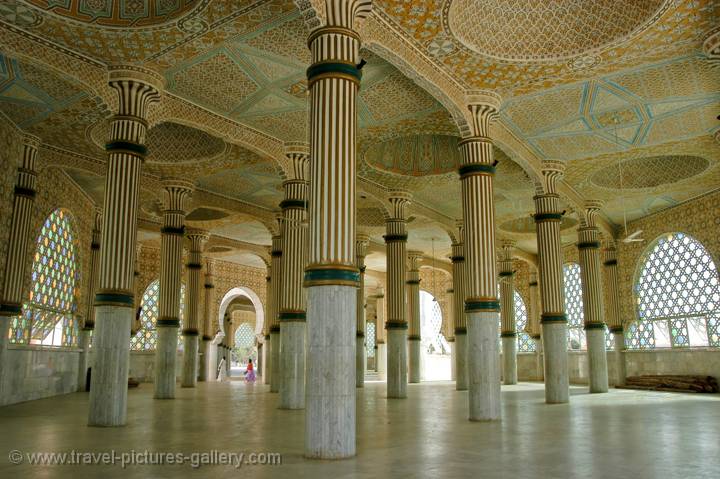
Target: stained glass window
(677,293)
(48,315)
(146,337)
(433,340)
(370,339)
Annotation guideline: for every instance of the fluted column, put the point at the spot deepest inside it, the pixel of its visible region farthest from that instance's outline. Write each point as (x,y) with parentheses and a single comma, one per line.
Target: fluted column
(533,325)
(114,301)
(292,315)
(191,330)
(177,193)
(553,319)
(459,317)
(361,245)
(396,324)
(612,311)
(85,333)
(381,357)
(275,290)
(413,302)
(206,369)
(18,239)
(508,329)
(331,276)
(589,256)
(266,327)
(477,169)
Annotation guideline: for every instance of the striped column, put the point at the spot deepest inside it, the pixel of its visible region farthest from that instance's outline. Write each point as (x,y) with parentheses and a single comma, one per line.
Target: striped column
(381,357)
(477,169)
(361,244)
(266,327)
(88,325)
(18,240)
(711,49)
(206,372)
(191,331)
(533,324)
(177,194)
(292,297)
(449,331)
(114,302)
(589,256)
(331,276)
(553,320)
(413,302)
(276,286)
(612,311)
(396,324)
(459,317)
(508,328)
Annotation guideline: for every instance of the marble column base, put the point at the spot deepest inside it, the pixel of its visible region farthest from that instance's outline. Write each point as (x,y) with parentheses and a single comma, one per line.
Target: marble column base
(619,355)
(453,366)
(111,351)
(84,345)
(203,362)
(360,360)
(597,360)
(414,364)
(557,389)
(540,372)
(381,361)
(190,361)
(4,331)
(268,360)
(397,363)
(330,391)
(275,378)
(461,371)
(292,365)
(483,360)
(165,357)
(509,354)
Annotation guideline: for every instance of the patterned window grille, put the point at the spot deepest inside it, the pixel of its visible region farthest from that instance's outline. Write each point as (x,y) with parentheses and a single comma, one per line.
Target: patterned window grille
(48,316)
(433,340)
(525,342)
(370,339)
(574,309)
(244,343)
(146,337)
(677,294)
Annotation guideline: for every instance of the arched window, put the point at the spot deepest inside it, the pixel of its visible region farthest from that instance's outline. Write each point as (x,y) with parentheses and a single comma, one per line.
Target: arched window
(678,296)
(370,339)
(146,337)
(244,343)
(574,306)
(433,340)
(525,342)
(48,315)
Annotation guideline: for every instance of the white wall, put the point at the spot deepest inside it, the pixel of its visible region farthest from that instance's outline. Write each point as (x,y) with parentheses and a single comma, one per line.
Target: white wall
(32,372)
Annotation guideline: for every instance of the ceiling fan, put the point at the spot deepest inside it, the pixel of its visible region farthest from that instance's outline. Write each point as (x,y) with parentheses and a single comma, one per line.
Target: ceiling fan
(633,237)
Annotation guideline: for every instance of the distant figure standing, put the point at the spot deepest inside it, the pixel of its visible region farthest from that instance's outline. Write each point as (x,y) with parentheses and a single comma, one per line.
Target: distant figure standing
(250,373)
(222,370)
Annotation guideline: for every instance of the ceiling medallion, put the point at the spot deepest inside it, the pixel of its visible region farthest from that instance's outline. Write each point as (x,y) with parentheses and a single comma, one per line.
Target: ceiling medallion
(547,31)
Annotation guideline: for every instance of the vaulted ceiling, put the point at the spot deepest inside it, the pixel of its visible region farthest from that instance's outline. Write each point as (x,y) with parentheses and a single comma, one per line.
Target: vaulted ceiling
(622,91)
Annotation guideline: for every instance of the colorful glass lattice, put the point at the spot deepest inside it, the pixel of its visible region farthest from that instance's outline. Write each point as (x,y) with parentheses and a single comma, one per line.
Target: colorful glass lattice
(574,306)
(48,314)
(678,296)
(146,337)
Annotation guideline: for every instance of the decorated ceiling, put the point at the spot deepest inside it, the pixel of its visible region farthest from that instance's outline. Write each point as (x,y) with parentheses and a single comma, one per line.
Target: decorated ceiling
(622,91)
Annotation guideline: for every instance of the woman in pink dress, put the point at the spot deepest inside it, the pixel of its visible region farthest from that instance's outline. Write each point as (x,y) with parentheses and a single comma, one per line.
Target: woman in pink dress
(250,373)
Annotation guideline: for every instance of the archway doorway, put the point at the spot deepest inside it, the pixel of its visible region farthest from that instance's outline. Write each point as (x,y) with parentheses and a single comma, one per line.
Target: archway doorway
(436,363)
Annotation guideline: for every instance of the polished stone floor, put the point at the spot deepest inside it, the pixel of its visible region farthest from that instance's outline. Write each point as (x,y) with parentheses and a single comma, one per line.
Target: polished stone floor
(622,434)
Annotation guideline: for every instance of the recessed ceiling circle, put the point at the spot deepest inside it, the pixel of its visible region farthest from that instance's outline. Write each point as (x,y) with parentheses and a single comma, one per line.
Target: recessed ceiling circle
(415,155)
(549,30)
(649,172)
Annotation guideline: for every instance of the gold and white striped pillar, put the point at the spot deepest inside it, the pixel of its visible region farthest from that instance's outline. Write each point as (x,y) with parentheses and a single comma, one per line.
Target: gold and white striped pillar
(191,330)
(361,244)
(85,334)
(381,357)
(612,311)
(114,302)
(508,327)
(533,324)
(553,319)
(276,286)
(589,256)
(207,372)
(267,347)
(332,276)
(396,323)
(477,169)
(177,194)
(459,317)
(292,313)
(413,302)
(18,240)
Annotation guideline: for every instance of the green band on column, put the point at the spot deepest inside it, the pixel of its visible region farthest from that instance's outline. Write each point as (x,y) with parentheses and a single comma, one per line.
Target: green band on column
(476,169)
(553,318)
(587,326)
(539,217)
(292,316)
(126,146)
(508,334)
(482,305)
(396,325)
(589,245)
(331,276)
(326,68)
(114,299)
(168,323)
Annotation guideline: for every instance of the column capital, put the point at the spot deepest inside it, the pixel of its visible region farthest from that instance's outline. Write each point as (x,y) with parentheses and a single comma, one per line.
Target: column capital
(552,172)
(209,266)
(533,279)
(137,88)
(197,238)
(711,48)
(276,248)
(361,243)
(508,248)
(344,13)
(31,141)
(414,257)
(399,200)
(484,106)
(177,193)
(298,156)
(589,213)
